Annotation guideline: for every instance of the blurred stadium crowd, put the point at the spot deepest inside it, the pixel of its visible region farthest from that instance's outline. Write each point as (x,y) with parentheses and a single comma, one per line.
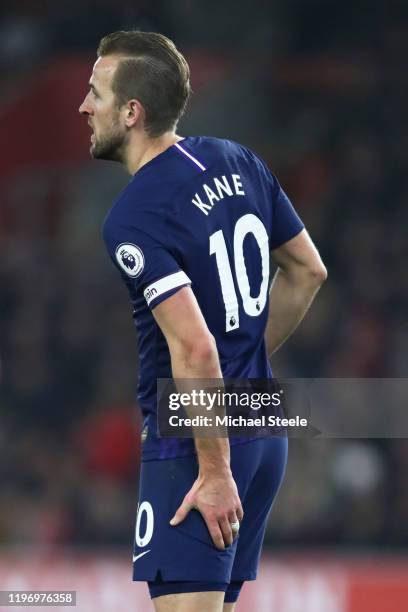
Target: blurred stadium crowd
(315,88)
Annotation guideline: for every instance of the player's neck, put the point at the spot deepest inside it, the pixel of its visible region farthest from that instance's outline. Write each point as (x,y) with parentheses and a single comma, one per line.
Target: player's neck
(144,149)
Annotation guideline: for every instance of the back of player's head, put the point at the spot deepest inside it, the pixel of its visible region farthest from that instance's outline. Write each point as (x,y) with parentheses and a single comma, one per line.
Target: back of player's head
(151,70)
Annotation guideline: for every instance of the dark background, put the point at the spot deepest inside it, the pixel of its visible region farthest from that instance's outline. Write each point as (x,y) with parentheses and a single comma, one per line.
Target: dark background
(319,90)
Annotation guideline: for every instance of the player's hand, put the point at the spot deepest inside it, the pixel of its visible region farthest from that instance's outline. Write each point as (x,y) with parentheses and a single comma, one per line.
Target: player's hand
(215,496)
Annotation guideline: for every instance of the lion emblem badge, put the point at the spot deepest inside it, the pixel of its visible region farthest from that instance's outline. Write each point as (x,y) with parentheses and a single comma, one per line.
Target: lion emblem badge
(130,258)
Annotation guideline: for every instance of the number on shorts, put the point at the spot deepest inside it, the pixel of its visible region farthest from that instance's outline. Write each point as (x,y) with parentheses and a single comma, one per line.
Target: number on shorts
(144,540)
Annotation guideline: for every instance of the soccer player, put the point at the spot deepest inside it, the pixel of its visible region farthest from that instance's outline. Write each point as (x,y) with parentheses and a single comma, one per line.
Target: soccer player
(191,236)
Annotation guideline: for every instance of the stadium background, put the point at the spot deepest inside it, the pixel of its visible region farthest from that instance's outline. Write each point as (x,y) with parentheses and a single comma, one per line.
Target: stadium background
(319,89)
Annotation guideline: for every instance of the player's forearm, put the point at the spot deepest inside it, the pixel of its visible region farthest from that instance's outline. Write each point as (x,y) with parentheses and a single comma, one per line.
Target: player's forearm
(196,359)
(290,298)
(213,453)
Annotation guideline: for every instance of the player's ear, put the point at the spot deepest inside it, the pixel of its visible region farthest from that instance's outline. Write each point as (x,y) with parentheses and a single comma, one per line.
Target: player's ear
(133,111)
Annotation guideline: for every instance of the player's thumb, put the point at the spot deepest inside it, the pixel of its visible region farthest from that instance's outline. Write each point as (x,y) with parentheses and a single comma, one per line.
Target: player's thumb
(181,514)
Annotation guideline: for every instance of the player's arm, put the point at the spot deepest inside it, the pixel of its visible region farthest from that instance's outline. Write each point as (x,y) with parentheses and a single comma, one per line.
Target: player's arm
(194,355)
(299,276)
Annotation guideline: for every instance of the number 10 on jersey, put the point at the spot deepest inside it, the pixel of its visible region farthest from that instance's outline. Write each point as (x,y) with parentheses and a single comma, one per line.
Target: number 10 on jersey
(253,306)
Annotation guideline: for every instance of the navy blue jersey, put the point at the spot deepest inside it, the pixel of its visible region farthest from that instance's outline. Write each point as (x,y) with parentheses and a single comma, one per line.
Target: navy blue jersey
(206,213)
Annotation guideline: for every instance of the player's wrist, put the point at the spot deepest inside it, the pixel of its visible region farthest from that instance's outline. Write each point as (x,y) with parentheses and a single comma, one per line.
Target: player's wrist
(213,456)
(219,469)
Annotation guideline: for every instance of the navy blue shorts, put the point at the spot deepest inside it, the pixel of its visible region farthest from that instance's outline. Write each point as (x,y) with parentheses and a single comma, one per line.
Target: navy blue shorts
(186,553)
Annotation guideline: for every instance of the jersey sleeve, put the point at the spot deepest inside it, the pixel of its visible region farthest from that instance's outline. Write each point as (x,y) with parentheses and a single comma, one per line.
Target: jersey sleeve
(147,266)
(286,223)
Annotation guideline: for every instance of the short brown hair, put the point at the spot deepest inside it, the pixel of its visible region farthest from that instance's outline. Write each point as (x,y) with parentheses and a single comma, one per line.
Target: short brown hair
(153,71)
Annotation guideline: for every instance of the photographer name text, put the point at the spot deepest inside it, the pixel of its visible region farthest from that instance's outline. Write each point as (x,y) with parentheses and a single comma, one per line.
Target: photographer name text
(237,421)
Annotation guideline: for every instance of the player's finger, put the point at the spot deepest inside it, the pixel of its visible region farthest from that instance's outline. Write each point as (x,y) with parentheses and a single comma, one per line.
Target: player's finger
(181,514)
(227,534)
(240,512)
(215,533)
